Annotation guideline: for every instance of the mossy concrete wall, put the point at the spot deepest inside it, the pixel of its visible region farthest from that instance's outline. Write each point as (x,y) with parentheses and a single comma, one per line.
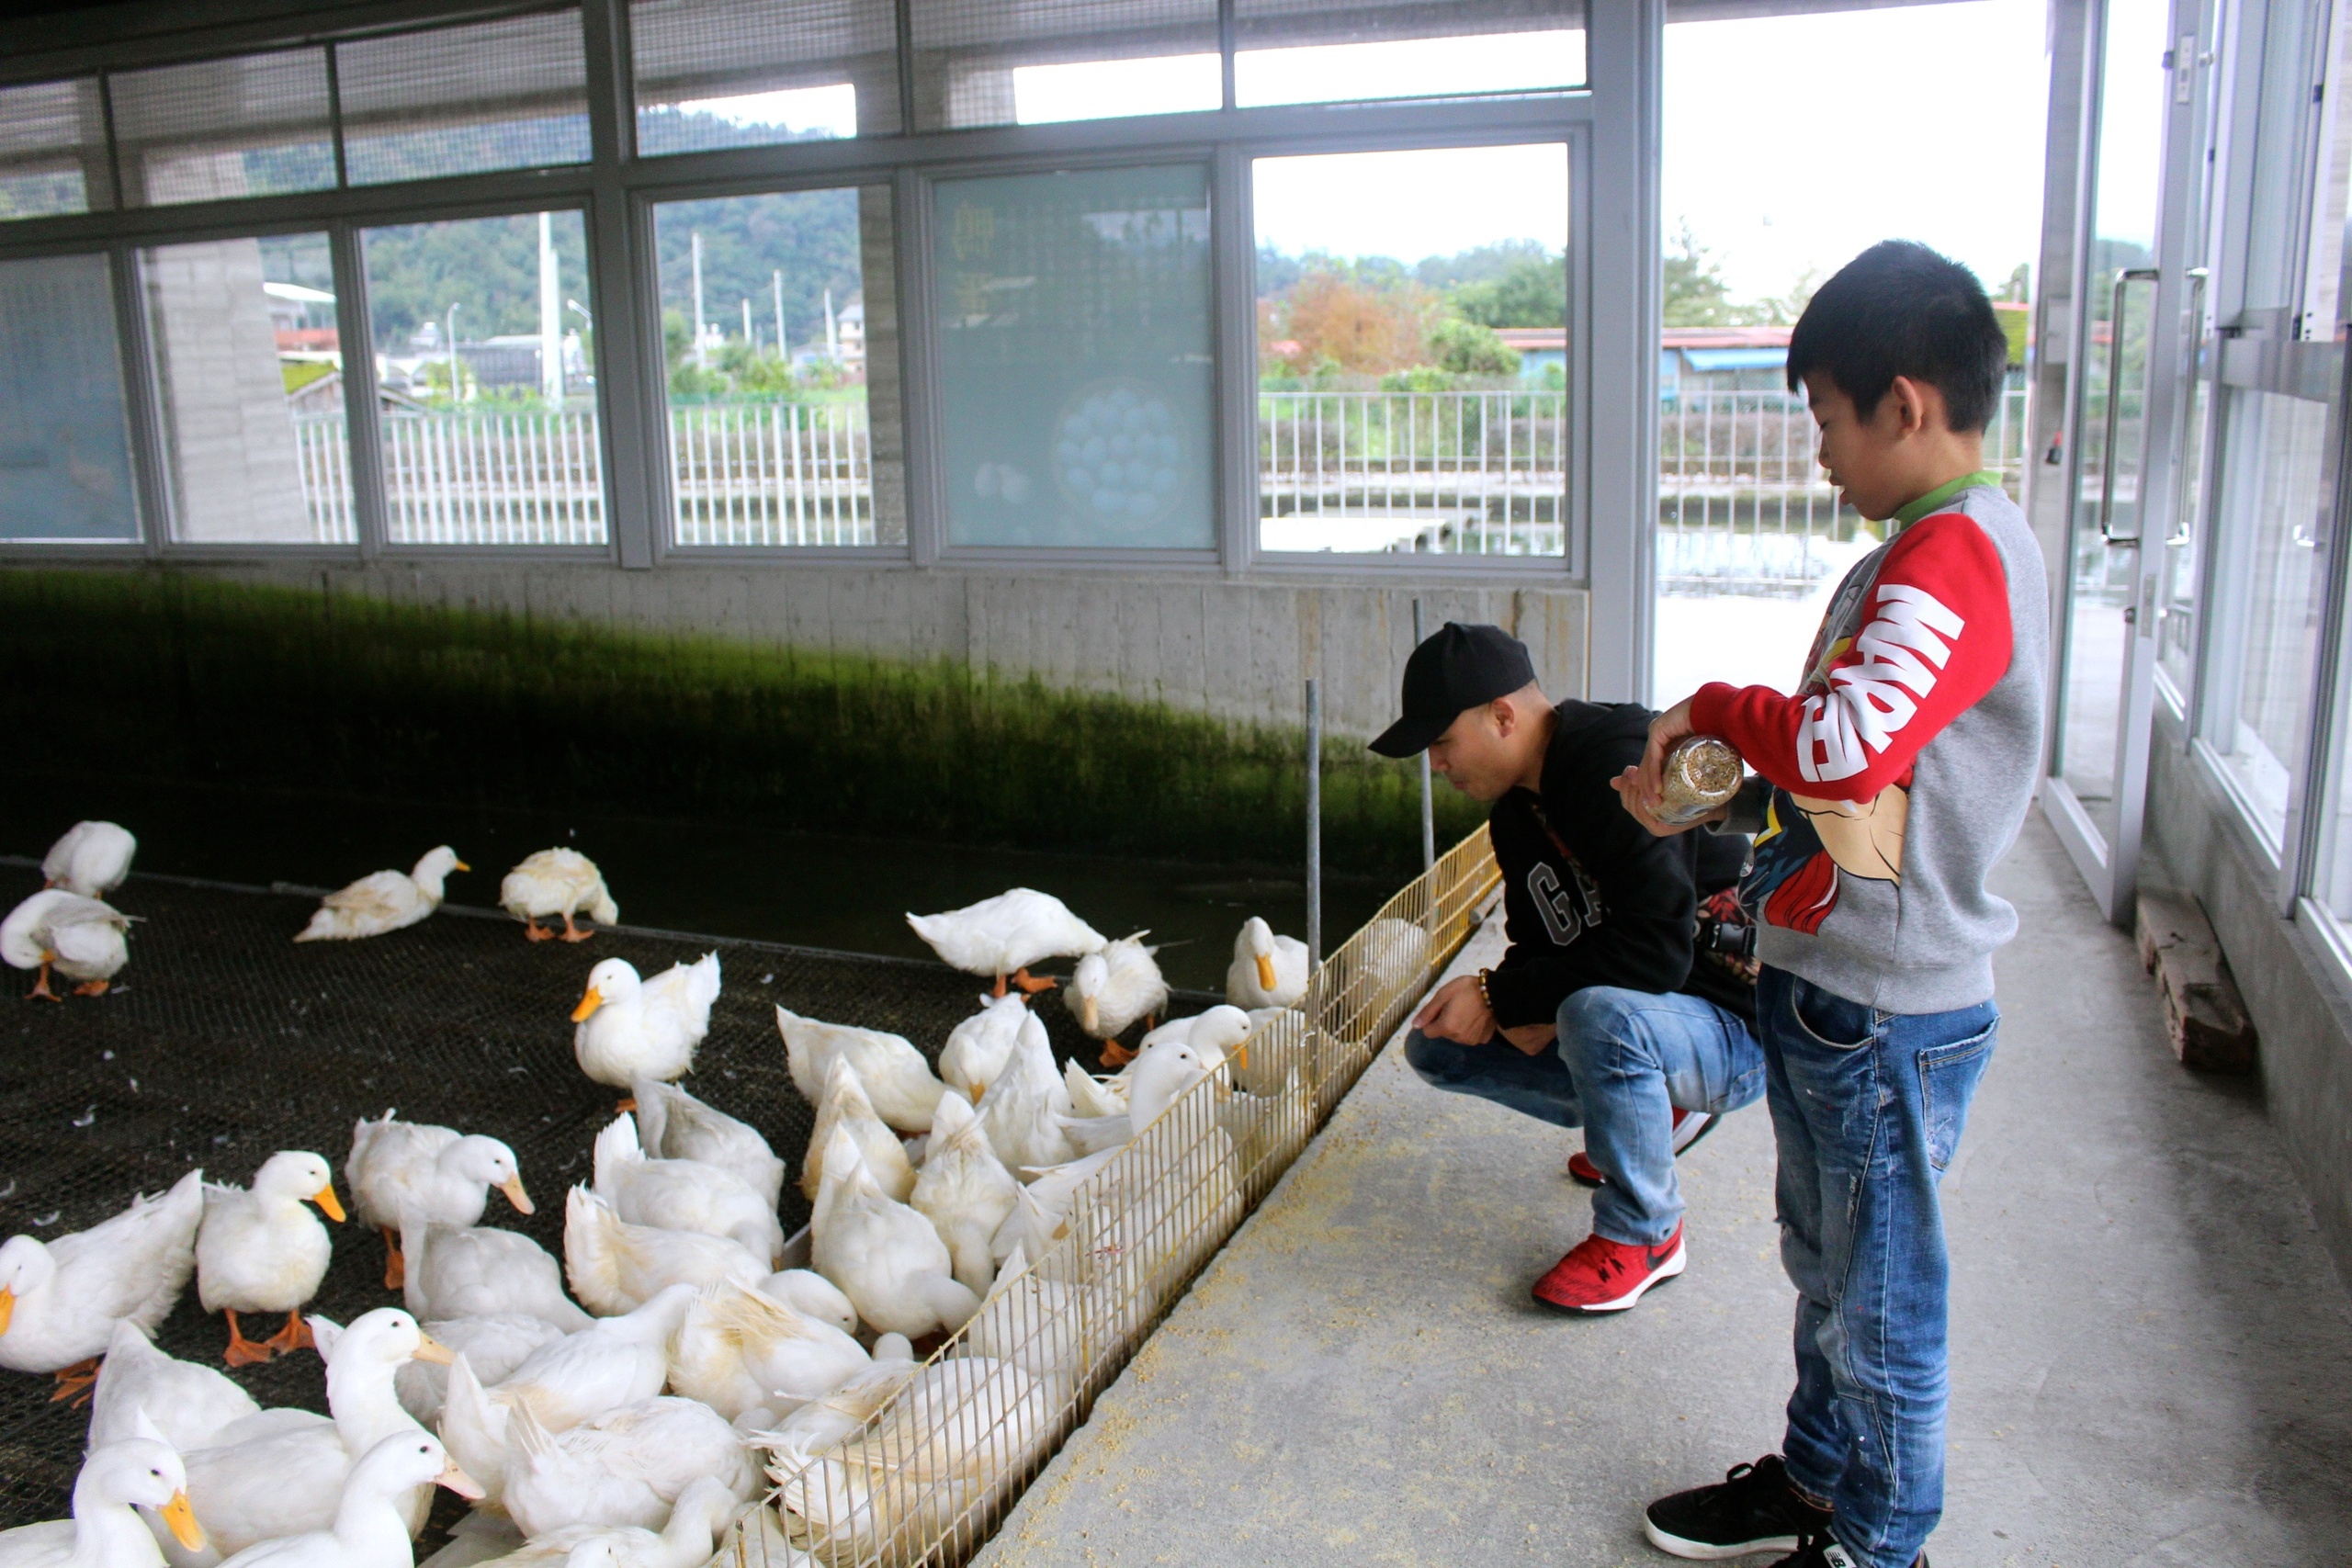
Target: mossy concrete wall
(1227,648)
(1137,722)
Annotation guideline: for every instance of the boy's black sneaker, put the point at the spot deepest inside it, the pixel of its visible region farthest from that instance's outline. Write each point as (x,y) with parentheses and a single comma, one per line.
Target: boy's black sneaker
(1754,1509)
(1822,1551)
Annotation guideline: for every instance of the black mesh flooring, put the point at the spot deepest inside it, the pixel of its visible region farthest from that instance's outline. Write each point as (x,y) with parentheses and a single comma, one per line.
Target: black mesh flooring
(225,1042)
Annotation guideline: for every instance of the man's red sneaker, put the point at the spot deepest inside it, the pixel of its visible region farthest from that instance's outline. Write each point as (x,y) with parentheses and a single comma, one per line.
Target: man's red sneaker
(1689,1127)
(1601,1275)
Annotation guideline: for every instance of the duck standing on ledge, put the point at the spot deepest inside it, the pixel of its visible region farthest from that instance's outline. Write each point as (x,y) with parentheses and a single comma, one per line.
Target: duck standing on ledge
(631,1029)
(557,882)
(93,859)
(1000,937)
(81,937)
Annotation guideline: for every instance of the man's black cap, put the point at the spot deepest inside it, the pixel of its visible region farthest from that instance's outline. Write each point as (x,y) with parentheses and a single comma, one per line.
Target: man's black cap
(1458,668)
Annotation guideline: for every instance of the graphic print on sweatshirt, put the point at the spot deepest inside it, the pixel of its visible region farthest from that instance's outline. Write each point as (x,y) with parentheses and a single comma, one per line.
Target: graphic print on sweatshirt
(1900,653)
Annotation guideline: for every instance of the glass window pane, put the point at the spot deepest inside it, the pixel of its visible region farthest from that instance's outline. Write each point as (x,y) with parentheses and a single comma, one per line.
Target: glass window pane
(776,392)
(747,73)
(248,377)
(1307,51)
(504,94)
(1008,62)
(52,149)
(1411,401)
(484,338)
(255,125)
(65,437)
(2274,506)
(1074,358)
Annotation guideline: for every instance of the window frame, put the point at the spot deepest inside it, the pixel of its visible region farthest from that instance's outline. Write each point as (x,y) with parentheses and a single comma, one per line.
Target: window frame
(617,189)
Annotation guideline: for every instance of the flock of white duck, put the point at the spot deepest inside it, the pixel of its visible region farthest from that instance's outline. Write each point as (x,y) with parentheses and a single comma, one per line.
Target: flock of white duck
(627,1421)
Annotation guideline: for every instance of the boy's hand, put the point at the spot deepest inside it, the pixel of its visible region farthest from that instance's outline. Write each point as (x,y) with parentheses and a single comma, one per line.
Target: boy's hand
(1664,730)
(1458,1013)
(1628,785)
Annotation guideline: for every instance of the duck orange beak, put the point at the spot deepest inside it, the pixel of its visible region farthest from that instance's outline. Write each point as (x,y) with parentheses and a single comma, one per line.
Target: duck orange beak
(512,1188)
(7,1307)
(457,1481)
(588,1005)
(463,867)
(182,1520)
(1089,1013)
(324,1197)
(1241,1055)
(431,1349)
(1265,971)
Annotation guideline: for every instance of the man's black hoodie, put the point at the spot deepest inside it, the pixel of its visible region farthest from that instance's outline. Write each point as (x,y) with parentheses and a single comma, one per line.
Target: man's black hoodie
(1617,908)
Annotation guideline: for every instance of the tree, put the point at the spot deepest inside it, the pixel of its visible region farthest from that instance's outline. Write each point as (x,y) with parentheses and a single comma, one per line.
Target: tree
(1534,292)
(1353,324)
(1470,348)
(1695,293)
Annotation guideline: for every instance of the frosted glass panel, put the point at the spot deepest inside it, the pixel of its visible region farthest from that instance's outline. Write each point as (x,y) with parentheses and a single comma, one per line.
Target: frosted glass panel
(1074,358)
(249,381)
(64,447)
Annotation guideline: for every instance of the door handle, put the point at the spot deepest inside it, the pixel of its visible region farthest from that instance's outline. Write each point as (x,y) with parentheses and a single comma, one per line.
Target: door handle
(2182,525)
(2124,278)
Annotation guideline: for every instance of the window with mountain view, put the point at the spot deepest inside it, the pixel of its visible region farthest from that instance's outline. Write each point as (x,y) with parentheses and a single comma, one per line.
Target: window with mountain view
(781,369)
(1412,400)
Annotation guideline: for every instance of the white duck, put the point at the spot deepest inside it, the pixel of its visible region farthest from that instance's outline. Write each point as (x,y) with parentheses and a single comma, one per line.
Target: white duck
(1221,1032)
(260,1250)
(810,1294)
(738,1349)
(697,1520)
(893,1073)
(674,1124)
(93,859)
(141,1471)
(369,1528)
(60,1300)
(1113,988)
(1268,971)
(615,1361)
(964,1191)
(682,1194)
(1022,1111)
(495,1345)
(615,1267)
(189,1404)
(557,882)
(1090,1095)
(885,1257)
(998,937)
(273,1476)
(383,900)
(1388,955)
(1162,1072)
(625,1467)
(631,1029)
(478,1271)
(845,1105)
(80,938)
(977,1048)
(395,1165)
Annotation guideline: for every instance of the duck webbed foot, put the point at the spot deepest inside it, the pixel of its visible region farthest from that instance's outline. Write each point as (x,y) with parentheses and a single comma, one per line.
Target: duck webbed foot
(40,986)
(76,1382)
(91,989)
(1115,1054)
(395,1265)
(1033,984)
(242,1351)
(537,933)
(294,1336)
(572,932)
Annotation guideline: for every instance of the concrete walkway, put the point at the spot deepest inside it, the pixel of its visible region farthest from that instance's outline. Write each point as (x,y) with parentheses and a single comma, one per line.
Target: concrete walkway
(2153,1358)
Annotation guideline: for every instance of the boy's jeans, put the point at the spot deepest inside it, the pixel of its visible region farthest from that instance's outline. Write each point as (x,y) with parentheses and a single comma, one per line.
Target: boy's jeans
(1867,1108)
(1623,1061)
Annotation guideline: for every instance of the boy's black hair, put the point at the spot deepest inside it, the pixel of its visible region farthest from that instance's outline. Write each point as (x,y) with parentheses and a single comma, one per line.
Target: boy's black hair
(1899,309)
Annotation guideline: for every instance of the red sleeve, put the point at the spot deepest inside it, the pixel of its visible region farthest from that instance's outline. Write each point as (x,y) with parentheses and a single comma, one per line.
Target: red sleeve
(1935,640)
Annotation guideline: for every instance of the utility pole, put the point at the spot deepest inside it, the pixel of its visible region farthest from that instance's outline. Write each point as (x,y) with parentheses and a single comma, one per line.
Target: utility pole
(832,331)
(749,345)
(550,316)
(783,344)
(702,353)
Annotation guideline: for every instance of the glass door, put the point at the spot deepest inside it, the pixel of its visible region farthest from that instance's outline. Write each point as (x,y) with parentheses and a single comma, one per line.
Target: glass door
(2129,377)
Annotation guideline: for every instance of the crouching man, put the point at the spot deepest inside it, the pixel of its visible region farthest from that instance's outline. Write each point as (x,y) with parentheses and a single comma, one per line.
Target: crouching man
(1598,1015)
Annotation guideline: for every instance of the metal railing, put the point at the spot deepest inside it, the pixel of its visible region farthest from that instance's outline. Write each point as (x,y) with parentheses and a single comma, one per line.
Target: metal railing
(925,1477)
(1743,506)
(1455,473)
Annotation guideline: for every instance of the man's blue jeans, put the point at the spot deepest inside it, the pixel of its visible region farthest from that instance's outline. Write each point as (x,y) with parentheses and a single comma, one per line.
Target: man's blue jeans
(1623,1061)
(1867,1109)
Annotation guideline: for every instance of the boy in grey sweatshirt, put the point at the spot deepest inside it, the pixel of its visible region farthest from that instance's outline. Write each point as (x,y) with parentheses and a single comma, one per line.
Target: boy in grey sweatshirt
(1887,787)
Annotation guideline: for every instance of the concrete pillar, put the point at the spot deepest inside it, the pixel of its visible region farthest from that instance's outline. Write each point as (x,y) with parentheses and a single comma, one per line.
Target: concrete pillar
(885,405)
(235,474)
